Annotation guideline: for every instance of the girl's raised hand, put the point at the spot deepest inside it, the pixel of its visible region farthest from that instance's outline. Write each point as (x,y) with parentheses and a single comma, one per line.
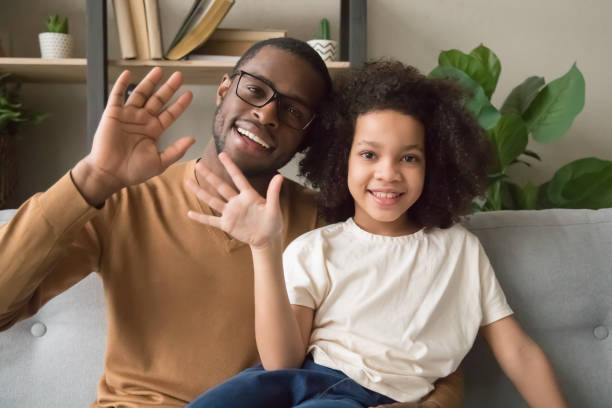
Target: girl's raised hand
(244,214)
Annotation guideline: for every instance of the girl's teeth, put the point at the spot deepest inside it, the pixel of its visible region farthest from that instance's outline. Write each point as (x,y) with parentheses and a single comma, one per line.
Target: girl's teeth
(386,195)
(253,137)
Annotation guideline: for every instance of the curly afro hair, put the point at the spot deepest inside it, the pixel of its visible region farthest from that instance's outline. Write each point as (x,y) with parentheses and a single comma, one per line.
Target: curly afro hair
(457,151)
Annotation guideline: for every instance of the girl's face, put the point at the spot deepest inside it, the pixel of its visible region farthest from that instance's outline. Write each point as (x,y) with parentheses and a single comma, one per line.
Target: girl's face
(386,171)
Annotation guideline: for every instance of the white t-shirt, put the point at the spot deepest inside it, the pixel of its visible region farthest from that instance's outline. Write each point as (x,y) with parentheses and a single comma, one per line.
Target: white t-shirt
(393,313)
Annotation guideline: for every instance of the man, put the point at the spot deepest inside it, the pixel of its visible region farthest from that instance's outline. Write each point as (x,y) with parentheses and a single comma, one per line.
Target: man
(179,294)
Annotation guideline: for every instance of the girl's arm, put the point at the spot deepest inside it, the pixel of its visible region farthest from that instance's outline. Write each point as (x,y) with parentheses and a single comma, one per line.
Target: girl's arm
(524,363)
(282,330)
(281,335)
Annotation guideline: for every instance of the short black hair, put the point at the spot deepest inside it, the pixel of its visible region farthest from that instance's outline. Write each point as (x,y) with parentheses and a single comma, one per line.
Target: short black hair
(457,150)
(294,46)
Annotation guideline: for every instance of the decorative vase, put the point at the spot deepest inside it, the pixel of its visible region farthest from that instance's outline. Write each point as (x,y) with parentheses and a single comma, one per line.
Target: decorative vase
(8,168)
(325,48)
(55,45)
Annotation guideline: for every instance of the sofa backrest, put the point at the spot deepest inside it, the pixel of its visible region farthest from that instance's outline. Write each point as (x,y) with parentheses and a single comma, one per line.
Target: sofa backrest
(55,358)
(555,267)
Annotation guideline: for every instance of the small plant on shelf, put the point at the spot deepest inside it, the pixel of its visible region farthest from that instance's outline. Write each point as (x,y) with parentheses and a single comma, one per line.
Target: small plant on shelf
(55,42)
(324,45)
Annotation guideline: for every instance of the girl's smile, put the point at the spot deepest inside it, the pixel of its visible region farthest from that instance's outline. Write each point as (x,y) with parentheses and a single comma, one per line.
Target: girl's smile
(386,170)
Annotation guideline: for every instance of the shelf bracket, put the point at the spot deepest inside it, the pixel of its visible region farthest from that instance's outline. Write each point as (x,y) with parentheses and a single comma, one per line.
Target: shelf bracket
(97,77)
(353,31)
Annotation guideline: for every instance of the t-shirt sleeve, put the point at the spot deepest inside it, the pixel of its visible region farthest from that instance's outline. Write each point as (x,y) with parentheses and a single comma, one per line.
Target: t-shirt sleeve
(493,302)
(305,275)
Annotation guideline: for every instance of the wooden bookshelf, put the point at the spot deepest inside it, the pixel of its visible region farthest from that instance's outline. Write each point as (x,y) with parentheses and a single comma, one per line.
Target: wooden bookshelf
(74,70)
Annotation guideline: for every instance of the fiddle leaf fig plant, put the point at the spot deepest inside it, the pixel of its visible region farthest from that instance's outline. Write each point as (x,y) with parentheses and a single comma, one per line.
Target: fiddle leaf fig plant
(533,110)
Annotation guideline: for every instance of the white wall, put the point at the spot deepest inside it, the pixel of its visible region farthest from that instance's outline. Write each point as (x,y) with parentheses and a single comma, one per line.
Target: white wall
(541,37)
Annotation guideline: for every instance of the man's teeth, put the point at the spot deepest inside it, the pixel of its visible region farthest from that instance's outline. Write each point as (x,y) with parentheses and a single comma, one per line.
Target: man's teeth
(253,137)
(385,195)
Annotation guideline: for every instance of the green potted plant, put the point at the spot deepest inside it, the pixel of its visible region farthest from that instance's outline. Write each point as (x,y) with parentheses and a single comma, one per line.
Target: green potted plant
(13,116)
(533,110)
(323,44)
(55,42)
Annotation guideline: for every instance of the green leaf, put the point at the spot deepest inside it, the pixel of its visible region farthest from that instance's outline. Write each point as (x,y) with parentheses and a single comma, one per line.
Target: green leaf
(584,183)
(510,139)
(522,95)
(529,197)
(553,110)
(478,104)
(472,66)
(532,154)
(489,60)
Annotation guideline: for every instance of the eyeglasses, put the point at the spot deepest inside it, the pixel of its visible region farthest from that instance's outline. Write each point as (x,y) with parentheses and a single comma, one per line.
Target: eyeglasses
(256,92)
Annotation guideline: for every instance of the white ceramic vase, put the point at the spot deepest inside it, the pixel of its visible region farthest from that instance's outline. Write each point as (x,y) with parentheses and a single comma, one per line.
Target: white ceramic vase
(55,45)
(327,49)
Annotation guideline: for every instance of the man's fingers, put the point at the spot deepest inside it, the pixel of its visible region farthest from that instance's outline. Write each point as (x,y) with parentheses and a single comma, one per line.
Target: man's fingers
(237,177)
(205,219)
(225,190)
(118,90)
(206,197)
(273,193)
(175,151)
(158,100)
(167,117)
(145,88)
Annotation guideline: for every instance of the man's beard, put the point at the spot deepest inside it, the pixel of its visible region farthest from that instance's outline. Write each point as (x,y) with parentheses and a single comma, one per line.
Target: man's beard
(219,140)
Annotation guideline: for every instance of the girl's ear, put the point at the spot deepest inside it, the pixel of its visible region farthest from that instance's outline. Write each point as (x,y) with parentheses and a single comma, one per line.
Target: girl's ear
(226,82)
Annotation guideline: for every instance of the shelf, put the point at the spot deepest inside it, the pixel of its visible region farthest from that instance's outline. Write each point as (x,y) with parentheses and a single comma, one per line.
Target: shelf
(73,70)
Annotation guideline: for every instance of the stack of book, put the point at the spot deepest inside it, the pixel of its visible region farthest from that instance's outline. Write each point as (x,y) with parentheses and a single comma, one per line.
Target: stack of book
(139,29)
(198,37)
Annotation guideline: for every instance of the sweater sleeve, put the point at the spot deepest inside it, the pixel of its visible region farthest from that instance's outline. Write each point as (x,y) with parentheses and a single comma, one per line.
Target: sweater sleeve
(48,246)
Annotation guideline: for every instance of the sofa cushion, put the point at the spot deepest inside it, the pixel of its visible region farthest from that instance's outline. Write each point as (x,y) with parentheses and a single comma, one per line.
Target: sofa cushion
(555,267)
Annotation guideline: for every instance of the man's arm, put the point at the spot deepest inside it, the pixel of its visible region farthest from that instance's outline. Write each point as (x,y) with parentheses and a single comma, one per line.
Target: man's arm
(524,363)
(448,393)
(45,248)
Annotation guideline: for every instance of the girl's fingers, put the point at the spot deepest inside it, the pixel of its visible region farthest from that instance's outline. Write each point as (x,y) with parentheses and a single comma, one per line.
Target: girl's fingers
(273,193)
(209,199)
(225,190)
(117,92)
(237,177)
(144,89)
(205,219)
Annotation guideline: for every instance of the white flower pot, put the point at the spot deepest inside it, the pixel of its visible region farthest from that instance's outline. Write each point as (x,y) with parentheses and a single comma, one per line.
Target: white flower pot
(55,45)
(327,49)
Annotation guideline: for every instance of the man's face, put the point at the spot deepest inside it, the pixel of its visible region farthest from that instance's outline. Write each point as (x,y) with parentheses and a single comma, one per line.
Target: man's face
(256,140)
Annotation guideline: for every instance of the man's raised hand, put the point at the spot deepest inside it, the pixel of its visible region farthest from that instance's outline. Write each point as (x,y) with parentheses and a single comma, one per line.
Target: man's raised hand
(244,214)
(125,150)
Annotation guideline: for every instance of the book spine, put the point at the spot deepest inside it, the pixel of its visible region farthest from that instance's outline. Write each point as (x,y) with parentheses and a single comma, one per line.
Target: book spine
(154,28)
(124,29)
(139,22)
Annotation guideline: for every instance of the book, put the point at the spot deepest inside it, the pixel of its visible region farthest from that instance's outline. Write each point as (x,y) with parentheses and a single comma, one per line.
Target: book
(139,23)
(125,32)
(233,41)
(154,29)
(201,21)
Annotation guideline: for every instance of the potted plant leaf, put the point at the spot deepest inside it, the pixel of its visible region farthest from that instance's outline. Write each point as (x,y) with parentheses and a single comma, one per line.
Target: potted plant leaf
(533,110)
(13,116)
(323,44)
(55,42)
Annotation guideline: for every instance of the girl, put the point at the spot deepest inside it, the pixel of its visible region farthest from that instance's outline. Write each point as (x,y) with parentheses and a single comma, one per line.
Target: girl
(377,306)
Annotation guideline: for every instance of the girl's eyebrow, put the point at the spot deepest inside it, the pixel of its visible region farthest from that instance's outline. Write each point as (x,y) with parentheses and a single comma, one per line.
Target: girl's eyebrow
(377,144)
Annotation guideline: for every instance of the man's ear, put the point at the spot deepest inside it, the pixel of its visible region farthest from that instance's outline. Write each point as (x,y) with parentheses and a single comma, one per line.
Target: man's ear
(226,82)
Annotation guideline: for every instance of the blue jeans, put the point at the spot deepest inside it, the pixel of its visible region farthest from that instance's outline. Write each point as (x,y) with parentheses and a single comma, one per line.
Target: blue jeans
(308,387)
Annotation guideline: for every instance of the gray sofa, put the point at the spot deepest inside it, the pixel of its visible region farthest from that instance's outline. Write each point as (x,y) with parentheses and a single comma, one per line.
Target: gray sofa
(555,267)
